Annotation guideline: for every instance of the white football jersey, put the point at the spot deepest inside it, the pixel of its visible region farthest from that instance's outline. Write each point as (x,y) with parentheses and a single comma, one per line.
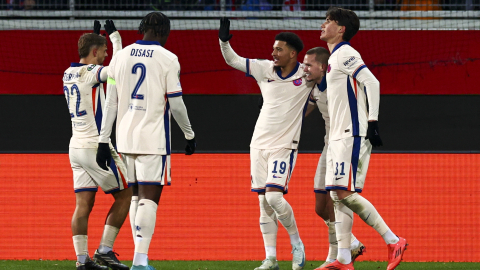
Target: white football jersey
(347,100)
(85,96)
(284,104)
(319,97)
(145,74)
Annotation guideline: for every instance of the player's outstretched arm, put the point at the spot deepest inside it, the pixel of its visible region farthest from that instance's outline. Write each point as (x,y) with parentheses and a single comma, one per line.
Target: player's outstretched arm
(103,152)
(179,112)
(228,53)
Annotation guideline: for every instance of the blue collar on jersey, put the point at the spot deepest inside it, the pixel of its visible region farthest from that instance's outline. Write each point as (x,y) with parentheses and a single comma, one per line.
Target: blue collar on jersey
(340,45)
(279,72)
(76,64)
(145,42)
(322,86)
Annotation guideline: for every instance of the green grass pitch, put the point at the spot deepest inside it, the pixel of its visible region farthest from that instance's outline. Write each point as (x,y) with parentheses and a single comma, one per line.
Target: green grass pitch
(236,265)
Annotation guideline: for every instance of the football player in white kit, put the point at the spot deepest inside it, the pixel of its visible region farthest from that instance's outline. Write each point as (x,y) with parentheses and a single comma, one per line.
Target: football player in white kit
(83,89)
(315,65)
(273,149)
(144,88)
(353,95)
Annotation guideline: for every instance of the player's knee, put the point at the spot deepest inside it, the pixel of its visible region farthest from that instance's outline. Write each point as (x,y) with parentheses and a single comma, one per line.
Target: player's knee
(274,199)
(334,196)
(124,195)
(320,211)
(85,203)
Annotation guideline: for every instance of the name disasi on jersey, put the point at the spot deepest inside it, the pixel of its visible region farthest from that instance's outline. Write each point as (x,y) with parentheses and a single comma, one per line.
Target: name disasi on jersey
(141,53)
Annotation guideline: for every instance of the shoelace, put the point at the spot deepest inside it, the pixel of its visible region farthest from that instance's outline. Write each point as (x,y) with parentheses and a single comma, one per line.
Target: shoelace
(115,257)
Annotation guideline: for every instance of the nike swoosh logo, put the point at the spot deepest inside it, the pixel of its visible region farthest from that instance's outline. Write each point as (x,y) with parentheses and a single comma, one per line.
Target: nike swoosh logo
(270,80)
(338,178)
(303,263)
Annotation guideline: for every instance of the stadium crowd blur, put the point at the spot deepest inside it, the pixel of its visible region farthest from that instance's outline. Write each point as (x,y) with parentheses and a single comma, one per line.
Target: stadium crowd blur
(241,5)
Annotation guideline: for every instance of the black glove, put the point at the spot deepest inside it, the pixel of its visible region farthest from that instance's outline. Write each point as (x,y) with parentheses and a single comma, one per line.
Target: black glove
(373,134)
(103,155)
(260,102)
(109,27)
(190,148)
(96,27)
(224,32)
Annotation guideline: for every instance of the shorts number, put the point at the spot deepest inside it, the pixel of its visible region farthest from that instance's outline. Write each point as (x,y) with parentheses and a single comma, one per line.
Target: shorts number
(140,80)
(283,167)
(67,95)
(343,168)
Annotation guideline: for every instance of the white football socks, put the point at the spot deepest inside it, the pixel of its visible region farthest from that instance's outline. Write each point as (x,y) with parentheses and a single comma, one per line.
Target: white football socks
(145,220)
(343,227)
(354,243)
(132,213)
(108,238)
(268,227)
(390,238)
(284,214)
(80,243)
(332,240)
(367,212)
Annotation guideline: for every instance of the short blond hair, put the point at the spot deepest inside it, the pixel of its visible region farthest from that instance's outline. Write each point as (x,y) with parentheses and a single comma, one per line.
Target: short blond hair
(88,41)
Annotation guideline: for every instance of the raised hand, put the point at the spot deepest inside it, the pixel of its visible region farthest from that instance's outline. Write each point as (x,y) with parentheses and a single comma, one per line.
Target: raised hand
(96,27)
(224,32)
(109,27)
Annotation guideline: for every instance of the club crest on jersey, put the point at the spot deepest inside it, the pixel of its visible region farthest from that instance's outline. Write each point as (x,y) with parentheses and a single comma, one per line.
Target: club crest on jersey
(297,82)
(329,68)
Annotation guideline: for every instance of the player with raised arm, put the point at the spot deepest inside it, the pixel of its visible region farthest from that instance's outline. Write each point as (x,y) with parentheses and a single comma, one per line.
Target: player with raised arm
(315,65)
(143,91)
(273,149)
(353,95)
(83,89)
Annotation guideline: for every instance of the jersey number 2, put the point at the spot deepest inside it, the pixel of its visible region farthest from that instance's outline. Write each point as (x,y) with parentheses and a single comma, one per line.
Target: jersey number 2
(143,69)
(77,91)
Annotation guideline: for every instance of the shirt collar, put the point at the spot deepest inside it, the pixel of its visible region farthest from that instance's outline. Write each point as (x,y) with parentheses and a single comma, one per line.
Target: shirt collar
(340,45)
(322,86)
(145,42)
(76,64)
(279,72)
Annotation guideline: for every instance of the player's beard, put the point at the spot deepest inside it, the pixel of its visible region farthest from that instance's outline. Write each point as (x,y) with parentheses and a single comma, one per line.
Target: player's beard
(277,68)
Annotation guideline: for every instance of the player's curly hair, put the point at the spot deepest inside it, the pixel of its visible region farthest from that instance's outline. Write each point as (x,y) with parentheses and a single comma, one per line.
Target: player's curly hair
(87,41)
(156,21)
(347,18)
(292,40)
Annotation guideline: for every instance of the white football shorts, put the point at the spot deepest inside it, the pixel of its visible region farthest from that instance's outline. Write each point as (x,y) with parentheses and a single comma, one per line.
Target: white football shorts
(271,168)
(87,175)
(347,163)
(148,169)
(319,179)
